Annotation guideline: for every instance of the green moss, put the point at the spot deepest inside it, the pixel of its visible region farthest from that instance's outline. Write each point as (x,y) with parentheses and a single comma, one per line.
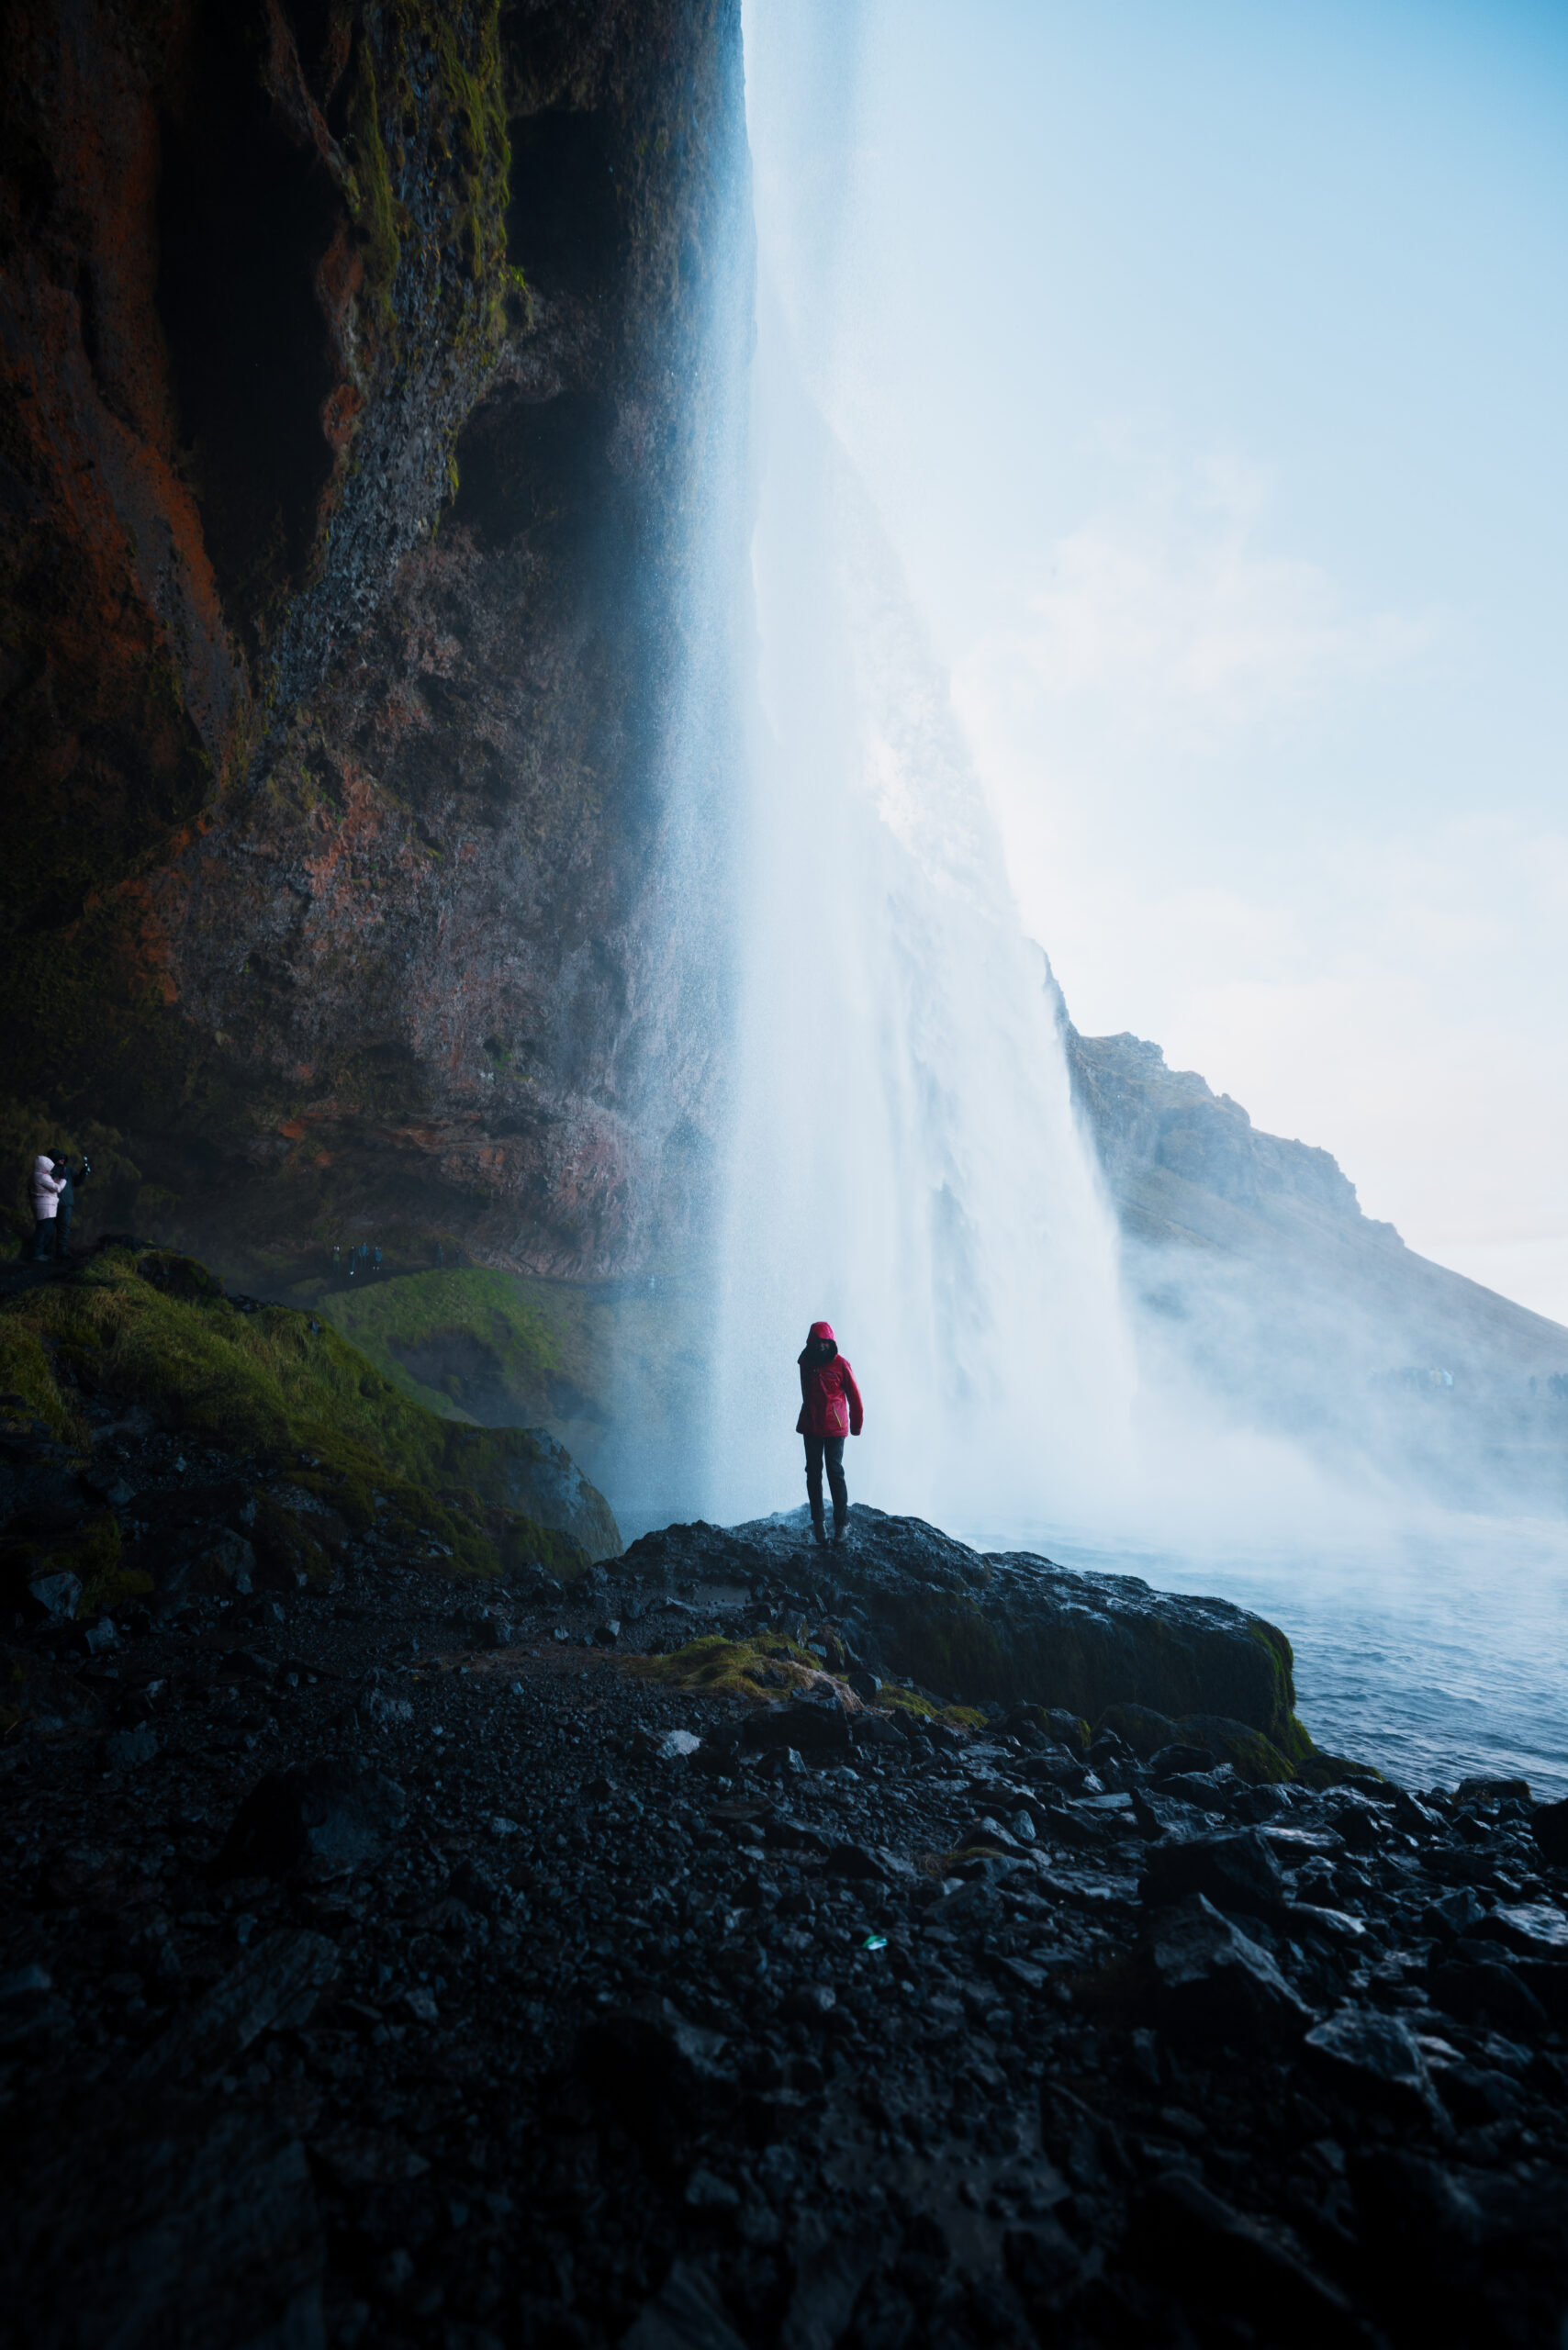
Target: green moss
(715,1667)
(1254,1757)
(28,1388)
(905,1701)
(424,1315)
(369,193)
(1281,1663)
(266,1384)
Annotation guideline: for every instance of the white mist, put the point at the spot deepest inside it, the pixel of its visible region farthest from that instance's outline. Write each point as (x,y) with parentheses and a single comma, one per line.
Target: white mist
(903,1158)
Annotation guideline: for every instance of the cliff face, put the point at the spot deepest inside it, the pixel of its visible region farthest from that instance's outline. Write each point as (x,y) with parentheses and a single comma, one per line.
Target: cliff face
(1255,1275)
(358,363)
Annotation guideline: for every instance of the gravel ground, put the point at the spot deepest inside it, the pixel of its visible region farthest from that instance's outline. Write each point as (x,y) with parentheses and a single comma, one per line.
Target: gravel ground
(542,2029)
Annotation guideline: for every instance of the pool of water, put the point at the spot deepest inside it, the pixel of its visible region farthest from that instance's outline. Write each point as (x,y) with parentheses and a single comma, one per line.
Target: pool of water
(1434,1649)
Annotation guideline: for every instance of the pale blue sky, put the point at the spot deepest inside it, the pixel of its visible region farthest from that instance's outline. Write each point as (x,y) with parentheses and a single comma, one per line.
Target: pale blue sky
(1208,364)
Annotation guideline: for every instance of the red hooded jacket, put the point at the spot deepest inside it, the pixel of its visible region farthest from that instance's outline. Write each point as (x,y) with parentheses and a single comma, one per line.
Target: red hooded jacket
(830,1401)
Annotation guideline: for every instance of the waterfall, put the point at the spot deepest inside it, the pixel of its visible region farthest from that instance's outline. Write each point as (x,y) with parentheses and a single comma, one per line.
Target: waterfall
(903,1154)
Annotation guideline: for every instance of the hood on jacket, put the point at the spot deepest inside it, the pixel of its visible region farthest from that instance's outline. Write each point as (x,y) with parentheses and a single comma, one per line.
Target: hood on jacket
(821,1345)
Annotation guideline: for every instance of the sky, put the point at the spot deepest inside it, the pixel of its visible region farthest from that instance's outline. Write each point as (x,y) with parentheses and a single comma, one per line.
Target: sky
(1207,367)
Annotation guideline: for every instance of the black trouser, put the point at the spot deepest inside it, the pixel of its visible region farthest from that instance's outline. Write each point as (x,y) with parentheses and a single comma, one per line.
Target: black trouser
(43,1238)
(833,1447)
(63,1230)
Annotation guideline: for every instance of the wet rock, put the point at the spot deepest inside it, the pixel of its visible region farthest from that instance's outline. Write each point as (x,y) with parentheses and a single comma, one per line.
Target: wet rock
(1214,1790)
(667,1746)
(1292,1846)
(122,1749)
(1376,2058)
(1048,2269)
(1211,1979)
(274,1987)
(1452,1914)
(321,1820)
(1549,1826)
(177,2224)
(1308,1919)
(385,1710)
(829,2271)
(1178,1760)
(55,1597)
(656,2068)
(1532,1928)
(878,1729)
(1233,1868)
(686,2313)
(811,1725)
(1028,1628)
(1236,2265)
(29,2010)
(862,1864)
(1474,1984)
(1471,1792)
(811,2005)
(248,1664)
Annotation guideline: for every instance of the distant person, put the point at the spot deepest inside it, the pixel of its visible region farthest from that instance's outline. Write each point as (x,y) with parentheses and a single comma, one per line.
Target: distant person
(67,1201)
(830,1410)
(378,1260)
(45,1188)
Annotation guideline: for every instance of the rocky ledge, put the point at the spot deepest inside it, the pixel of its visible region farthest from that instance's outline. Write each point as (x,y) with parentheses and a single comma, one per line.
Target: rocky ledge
(397,1961)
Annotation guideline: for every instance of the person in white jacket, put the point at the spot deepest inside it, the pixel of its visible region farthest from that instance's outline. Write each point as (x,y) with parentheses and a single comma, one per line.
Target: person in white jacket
(46,1186)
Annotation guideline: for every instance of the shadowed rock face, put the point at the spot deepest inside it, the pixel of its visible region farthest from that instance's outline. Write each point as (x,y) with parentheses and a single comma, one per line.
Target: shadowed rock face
(343,571)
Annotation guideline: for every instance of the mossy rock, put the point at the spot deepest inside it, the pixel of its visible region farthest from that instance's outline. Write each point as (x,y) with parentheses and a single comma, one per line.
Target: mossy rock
(1320,1769)
(286,1389)
(1252,1756)
(1140,1728)
(759,1669)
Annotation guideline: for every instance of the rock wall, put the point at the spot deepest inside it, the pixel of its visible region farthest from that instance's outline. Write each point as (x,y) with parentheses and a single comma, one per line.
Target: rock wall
(360,359)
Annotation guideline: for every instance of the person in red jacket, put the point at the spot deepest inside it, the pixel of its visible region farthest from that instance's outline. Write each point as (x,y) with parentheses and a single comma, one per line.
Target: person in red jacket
(830,1410)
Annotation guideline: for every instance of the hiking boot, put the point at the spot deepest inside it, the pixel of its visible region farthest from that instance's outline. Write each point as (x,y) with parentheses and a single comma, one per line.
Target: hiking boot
(840,1526)
(819,1525)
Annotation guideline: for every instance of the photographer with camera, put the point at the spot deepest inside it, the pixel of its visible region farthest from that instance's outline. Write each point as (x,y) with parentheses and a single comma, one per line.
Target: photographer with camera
(66,1200)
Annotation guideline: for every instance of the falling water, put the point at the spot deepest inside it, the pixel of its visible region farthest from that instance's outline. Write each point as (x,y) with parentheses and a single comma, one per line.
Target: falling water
(903,1155)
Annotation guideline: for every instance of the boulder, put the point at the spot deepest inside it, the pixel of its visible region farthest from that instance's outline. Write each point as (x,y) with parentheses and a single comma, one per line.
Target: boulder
(274,1987)
(812,1724)
(1232,1866)
(319,1822)
(54,1595)
(1008,1627)
(1377,2059)
(654,2068)
(1549,1826)
(1214,1981)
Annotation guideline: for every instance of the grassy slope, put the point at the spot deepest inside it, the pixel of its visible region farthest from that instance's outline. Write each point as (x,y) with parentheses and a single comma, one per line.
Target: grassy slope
(535,1340)
(585,1365)
(156,1331)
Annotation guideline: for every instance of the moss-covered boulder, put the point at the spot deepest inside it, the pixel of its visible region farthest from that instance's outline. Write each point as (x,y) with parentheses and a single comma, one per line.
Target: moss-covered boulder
(149,1329)
(913,1604)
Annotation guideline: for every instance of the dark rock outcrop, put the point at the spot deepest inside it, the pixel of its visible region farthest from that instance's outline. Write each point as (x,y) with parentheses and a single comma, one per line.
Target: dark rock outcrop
(915,1603)
(357,369)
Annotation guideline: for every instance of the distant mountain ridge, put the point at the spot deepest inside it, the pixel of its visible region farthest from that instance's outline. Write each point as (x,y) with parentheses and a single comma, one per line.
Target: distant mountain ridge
(1253,1267)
